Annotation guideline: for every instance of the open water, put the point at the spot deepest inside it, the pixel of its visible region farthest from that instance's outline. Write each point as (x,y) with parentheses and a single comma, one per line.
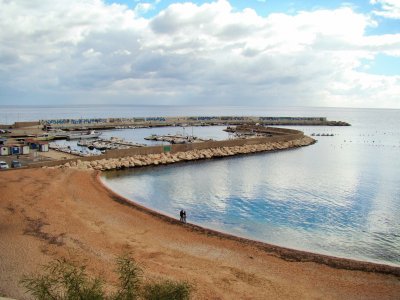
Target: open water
(340,196)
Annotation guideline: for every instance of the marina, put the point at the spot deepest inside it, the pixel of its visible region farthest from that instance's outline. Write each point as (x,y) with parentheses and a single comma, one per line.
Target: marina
(176,138)
(70,150)
(108,144)
(83,135)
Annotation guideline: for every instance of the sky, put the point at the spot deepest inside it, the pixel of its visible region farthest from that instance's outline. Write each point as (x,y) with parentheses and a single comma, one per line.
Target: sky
(164,52)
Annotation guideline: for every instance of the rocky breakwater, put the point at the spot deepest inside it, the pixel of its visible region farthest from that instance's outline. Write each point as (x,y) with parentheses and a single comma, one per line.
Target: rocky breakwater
(169,158)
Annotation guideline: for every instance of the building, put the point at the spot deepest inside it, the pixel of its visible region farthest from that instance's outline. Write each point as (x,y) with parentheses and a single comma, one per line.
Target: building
(4,150)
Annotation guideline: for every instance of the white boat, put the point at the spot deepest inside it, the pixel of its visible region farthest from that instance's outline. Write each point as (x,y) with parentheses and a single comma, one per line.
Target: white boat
(83,135)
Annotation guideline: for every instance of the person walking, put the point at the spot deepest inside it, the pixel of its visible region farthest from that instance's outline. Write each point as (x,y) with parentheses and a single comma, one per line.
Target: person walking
(181,215)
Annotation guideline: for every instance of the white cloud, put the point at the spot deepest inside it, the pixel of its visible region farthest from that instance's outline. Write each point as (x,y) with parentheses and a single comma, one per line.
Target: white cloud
(389,8)
(190,54)
(143,7)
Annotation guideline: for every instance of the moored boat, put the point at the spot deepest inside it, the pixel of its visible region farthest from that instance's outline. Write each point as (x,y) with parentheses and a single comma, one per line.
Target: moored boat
(84,135)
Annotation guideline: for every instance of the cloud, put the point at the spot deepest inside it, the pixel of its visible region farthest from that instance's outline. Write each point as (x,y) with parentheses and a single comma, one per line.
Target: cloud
(87,51)
(389,8)
(143,7)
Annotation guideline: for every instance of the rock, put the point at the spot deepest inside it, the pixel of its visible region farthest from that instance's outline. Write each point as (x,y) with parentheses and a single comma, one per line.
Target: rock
(167,158)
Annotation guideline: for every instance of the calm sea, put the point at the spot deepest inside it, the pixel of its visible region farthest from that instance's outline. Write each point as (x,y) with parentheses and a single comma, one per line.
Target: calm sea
(340,196)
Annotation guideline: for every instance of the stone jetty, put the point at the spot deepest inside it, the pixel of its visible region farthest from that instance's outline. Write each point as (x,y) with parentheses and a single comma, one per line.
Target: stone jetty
(108,123)
(170,158)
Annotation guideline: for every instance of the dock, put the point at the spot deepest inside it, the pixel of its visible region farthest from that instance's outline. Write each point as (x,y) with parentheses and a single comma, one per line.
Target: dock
(109,144)
(176,139)
(140,122)
(243,131)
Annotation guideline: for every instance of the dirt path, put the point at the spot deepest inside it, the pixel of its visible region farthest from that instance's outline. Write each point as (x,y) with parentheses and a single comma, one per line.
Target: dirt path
(46,214)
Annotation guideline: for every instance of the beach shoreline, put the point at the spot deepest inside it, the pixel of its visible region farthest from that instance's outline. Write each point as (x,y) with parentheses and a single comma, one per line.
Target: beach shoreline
(51,213)
(284,253)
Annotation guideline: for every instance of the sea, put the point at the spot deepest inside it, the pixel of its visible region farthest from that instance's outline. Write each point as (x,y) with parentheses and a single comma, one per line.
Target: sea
(340,196)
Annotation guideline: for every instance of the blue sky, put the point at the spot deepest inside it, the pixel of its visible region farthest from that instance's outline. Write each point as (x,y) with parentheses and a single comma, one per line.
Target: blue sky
(286,53)
(265,7)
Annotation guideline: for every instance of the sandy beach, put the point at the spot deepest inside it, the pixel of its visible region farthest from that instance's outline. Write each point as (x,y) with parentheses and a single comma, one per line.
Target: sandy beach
(52,213)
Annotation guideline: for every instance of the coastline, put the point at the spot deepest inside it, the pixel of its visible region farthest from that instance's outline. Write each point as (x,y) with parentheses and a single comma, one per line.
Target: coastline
(52,213)
(284,253)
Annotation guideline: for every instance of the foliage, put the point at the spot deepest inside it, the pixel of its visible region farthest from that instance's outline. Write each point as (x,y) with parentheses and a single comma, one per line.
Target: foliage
(130,276)
(167,290)
(66,280)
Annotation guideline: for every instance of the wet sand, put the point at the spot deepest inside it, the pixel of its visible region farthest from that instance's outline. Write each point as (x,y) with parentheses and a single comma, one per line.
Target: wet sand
(53,213)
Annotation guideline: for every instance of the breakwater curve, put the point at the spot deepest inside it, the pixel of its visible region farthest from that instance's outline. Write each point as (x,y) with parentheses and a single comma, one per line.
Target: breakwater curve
(163,155)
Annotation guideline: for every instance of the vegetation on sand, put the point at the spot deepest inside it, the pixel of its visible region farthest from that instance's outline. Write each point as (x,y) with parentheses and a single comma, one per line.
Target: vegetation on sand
(66,280)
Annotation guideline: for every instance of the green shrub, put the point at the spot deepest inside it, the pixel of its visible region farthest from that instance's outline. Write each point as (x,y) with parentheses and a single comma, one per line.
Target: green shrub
(65,280)
(130,276)
(167,290)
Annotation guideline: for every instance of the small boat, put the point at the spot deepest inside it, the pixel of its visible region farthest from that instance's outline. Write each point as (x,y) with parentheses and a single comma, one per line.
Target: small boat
(83,135)
(152,137)
(52,135)
(45,137)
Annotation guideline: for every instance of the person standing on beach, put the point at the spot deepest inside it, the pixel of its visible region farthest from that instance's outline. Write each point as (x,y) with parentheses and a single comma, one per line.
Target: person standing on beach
(184,216)
(181,215)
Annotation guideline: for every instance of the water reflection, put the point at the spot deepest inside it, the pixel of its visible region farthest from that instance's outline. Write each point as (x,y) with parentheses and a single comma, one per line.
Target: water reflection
(340,196)
(287,198)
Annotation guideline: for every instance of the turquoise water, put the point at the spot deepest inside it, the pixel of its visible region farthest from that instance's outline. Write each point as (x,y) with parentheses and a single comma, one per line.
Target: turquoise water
(340,196)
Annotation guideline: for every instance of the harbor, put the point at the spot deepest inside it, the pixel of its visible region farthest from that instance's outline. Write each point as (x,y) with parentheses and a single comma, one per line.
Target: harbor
(91,137)
(118,148)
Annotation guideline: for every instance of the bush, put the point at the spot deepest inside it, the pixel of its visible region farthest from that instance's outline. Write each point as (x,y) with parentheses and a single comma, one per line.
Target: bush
(130,276)
(167,290)
(65,280)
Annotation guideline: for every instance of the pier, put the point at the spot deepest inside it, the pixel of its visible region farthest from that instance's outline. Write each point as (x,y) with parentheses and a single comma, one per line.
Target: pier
(176,138)
(257,131)
(113,123)
(108,144)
